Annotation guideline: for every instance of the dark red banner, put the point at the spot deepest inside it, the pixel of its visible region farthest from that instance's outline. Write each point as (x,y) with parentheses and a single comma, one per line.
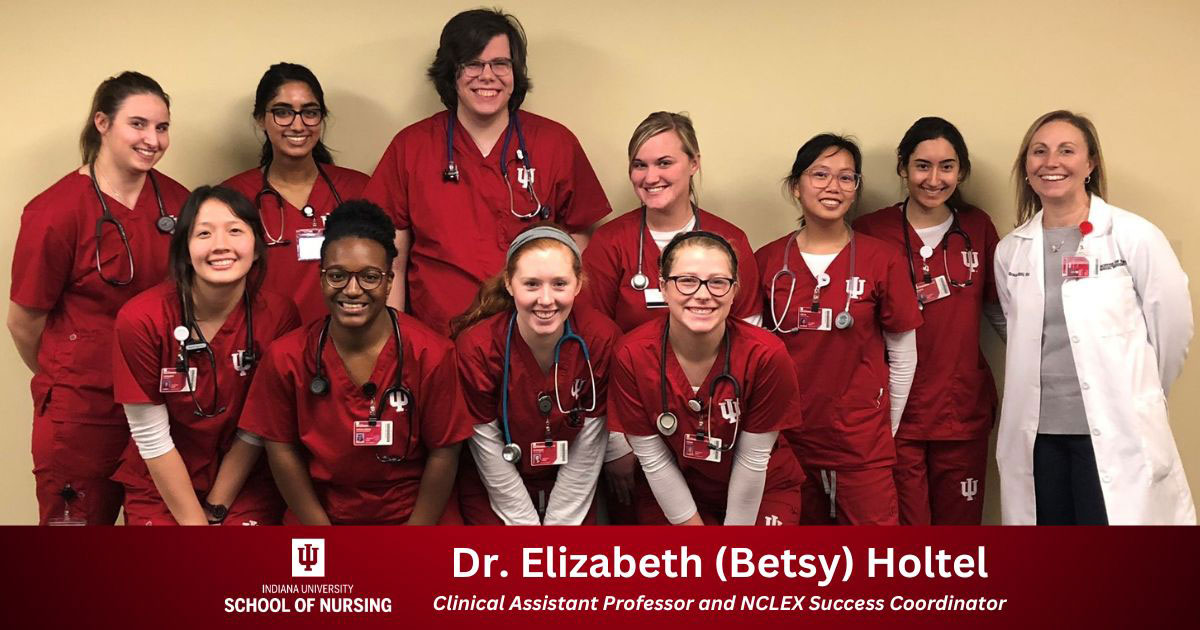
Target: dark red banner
(489,577)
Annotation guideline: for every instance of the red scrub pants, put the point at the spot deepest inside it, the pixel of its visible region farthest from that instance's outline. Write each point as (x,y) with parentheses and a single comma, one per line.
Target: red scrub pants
(941,482)
(82,457)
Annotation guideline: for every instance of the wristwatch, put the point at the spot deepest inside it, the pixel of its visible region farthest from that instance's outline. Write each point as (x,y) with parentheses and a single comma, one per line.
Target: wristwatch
(217,513)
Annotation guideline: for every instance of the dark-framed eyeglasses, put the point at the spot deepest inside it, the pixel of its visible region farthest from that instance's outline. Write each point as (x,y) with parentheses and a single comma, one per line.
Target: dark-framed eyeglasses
(310,116)
(368,278)
(718,286)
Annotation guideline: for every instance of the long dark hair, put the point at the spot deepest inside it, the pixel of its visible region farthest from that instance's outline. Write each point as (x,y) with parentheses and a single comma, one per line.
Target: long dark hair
(463,38)
(268,86)
(109,96)
(180,257)
(932,128)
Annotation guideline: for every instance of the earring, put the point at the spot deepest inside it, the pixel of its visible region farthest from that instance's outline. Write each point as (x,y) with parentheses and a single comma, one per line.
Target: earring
(1026,179)
(1087,180)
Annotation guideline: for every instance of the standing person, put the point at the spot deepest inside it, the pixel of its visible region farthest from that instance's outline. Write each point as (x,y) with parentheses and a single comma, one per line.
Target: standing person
(942,442)
(88,244)
(1099,322)
(185,356)
(534,371)
(622,255)
(842,302)
(702,398)
(461,184)
(296,184)
(361,410)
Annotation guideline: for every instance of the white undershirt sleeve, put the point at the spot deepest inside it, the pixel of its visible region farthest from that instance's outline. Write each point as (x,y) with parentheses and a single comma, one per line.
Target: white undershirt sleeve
(249,438)
(748,477)
(902,366)
(617,446)
(506,492)
(575,486)
(664,477)
(150,426)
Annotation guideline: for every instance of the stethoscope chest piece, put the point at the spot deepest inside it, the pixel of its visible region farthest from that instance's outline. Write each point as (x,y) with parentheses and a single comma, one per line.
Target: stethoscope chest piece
(639,281)
(843,320)
(511,453)
(667,423)
(165,224)
(318,385)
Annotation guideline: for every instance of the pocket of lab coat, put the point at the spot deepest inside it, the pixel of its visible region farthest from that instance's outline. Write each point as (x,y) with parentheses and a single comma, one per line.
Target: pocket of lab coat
(1158,446)
(1111,306)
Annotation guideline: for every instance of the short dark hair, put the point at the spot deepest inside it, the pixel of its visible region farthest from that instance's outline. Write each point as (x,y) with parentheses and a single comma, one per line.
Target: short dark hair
(359,218)
(711,240)
(180,256)
(932,128)
(463,38)
(813,149)
(109,96)
(268,86)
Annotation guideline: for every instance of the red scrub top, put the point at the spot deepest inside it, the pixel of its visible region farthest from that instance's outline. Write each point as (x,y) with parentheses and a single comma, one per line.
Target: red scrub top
(481,369)
(286,273)
(770,401)
(145,344)
(461,231)
(611,261)
(843,375)
(54,269)
(351,483)
(953,396)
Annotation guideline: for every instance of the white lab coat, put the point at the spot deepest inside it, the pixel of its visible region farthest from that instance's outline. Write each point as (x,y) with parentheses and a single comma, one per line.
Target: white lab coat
(1129,329)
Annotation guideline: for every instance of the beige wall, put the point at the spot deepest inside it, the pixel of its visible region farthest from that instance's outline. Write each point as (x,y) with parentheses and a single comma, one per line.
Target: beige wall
(758,77)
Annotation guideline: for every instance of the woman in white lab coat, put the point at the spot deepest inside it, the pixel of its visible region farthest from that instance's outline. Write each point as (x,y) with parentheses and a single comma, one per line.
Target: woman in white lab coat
(1096,299)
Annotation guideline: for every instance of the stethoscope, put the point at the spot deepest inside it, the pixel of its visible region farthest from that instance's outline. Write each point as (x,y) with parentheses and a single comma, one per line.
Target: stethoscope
(668,422)
(525,172)
(970,257)
(397,395)
(640,281)
(511,452)
(243,359)
(307,210)
(843,320)
(165,224)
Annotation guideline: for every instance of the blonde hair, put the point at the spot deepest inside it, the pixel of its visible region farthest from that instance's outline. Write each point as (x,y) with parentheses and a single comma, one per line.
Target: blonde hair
(662,122)
(1028,203)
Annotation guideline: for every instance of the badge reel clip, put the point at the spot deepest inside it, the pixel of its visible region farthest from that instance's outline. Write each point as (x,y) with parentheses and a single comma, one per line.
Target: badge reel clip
(68,495)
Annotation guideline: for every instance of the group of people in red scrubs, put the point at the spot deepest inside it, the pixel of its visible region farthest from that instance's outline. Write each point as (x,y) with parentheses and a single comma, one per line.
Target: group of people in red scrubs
(360,329)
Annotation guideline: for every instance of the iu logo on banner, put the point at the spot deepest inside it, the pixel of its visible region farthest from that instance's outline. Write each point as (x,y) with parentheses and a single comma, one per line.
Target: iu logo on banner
(308,557)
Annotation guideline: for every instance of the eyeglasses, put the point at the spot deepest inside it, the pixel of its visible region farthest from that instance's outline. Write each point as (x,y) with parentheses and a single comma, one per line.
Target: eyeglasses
(310,116)
(847,180)
(501,67)
(368,279)
(688,285)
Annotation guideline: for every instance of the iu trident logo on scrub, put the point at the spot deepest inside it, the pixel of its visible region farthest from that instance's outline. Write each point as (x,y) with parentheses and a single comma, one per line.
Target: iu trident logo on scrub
(731,410)
(308,557)
(970,487)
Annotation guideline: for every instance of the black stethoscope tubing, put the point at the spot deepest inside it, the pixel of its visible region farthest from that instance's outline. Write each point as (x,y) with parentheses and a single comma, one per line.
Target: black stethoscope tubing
(640,281)
(165,224)
(452,174)
(200,343)
(308,211)
(955,228)
(667,421)
(319,385)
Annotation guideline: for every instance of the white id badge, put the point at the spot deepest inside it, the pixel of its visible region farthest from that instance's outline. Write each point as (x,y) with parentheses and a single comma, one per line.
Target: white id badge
(821,320)
(308,243)
(172,381)
(552,454)
(933,291)
(706,450)
(1078,267)
(654,298)
(367,433)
